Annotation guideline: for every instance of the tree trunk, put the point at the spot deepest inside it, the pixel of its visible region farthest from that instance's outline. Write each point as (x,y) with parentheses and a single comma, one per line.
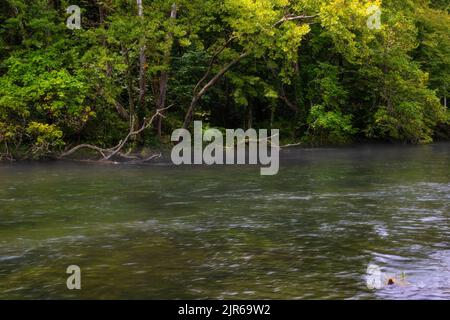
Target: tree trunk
(292,105)
(142,65)
(101,13)
(206,87)
(55,4)
(249,124)
(164,78)
(131,108)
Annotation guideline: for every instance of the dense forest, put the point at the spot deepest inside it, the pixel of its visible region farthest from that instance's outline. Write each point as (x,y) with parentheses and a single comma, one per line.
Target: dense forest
(136,70)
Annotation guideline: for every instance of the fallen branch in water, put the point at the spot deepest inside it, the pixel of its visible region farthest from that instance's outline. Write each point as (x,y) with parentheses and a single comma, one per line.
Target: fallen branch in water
(109,153)
(150,158)
(291,145)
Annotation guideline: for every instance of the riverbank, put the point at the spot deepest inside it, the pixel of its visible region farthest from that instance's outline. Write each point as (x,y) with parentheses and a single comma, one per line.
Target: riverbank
(162,153)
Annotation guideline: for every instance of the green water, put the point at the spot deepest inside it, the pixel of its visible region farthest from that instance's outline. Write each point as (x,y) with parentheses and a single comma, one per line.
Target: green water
(165,232)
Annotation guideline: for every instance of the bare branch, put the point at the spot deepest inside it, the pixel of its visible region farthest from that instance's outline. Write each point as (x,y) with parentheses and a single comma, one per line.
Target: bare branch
(121,110)
(107,154)
(206,87)
(150,158)
(211,63)
(293,106)
(291,17)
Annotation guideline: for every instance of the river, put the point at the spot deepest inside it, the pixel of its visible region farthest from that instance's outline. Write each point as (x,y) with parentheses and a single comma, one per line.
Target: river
(194,232)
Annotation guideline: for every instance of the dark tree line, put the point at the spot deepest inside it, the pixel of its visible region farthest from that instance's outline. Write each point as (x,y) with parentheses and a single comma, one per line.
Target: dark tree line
(139,69)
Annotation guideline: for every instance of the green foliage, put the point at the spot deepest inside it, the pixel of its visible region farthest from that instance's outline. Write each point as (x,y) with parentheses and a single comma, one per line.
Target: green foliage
(326,87)
(38,87)
(329,127)
(433,52)
(406,109)
(46,137)
(311,67)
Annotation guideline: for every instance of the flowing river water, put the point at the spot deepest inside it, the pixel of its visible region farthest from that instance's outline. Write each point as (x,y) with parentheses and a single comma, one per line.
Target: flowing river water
(195,232)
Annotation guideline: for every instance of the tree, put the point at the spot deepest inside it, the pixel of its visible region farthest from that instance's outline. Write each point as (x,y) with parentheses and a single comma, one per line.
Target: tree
(312,67)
